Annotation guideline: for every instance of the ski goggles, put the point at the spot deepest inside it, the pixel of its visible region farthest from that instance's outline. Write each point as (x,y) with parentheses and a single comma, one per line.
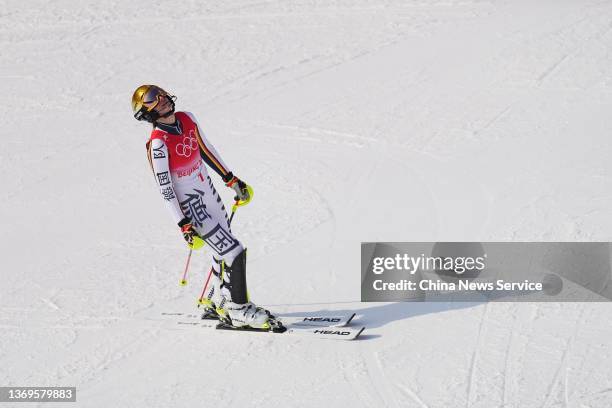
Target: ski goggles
(144,106)
(153,97)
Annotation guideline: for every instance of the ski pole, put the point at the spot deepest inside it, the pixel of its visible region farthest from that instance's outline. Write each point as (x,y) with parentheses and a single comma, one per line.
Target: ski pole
(183,281)
(234,207)
(205,286)
(197,244)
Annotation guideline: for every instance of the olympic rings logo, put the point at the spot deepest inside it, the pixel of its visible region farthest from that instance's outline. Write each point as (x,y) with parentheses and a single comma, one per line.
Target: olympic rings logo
(189,144)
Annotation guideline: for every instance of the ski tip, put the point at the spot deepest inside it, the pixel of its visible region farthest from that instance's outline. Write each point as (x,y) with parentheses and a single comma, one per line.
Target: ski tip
(351,318)
(359,333)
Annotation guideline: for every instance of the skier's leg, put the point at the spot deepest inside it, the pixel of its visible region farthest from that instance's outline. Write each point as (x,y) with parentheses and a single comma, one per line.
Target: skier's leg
(214,228)
(234,279)
(201,203)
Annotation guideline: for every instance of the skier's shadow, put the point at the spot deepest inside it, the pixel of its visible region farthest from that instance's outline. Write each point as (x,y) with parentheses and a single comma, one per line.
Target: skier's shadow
(379,315)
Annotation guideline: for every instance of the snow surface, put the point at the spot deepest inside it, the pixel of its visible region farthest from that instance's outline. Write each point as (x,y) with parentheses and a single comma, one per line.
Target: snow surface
(354,120)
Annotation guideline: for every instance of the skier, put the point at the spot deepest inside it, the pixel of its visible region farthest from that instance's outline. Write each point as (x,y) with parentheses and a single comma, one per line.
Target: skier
(177,150)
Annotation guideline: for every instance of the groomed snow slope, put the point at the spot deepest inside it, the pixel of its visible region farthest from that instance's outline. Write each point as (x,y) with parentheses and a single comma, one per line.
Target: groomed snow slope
(430,120)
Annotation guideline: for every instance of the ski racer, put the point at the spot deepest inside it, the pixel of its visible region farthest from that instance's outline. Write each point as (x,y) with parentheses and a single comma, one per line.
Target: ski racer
(177,150)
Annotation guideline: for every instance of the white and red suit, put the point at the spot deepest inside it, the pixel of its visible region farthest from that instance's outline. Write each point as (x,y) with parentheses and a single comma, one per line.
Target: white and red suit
(177,154)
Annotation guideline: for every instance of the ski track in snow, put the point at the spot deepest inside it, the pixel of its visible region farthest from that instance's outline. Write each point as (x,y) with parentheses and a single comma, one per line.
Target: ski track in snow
(507,363)
(562,370)
(474,361)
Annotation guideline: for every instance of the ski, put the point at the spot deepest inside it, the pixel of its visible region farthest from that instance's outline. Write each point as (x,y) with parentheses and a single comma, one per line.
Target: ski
(344,333)
(303,320)
(318,321)
(313,326)
(332,333)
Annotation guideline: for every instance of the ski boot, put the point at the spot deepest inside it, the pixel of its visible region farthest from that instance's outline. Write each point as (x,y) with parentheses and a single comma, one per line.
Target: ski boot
(235,310)
(247,316)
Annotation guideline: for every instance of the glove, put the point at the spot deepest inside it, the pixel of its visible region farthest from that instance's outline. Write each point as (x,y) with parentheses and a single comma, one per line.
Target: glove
(244,192)
(193,239)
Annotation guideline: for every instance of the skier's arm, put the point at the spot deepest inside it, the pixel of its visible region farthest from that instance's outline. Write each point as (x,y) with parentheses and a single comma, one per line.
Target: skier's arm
(211,157)
(209,154)
(158,157)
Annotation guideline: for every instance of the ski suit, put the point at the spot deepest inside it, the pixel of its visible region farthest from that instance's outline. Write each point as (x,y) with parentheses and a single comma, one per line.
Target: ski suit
(177,154)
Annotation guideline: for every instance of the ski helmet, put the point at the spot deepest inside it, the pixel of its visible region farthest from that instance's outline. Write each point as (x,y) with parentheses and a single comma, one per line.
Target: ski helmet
(146,98)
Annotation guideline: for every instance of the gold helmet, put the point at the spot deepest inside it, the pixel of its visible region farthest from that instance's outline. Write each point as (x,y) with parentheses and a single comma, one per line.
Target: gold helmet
(146,98)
